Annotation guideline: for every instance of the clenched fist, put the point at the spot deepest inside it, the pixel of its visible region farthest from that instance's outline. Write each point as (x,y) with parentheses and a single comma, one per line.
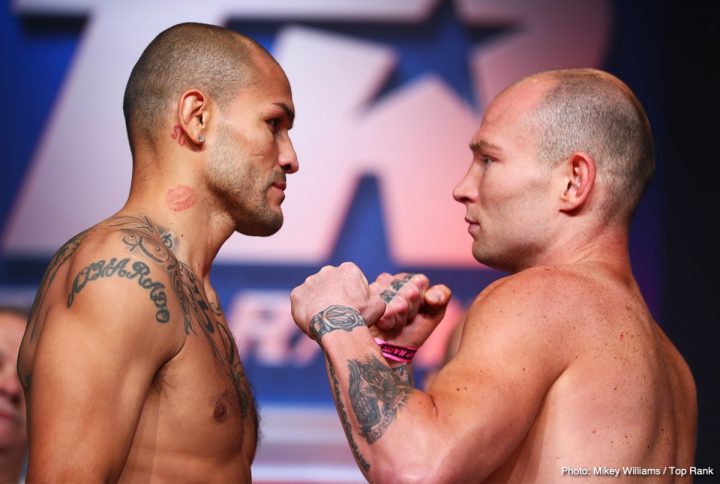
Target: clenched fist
(342,290)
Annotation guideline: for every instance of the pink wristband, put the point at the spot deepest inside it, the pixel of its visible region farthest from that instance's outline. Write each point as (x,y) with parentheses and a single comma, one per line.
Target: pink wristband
(396,353)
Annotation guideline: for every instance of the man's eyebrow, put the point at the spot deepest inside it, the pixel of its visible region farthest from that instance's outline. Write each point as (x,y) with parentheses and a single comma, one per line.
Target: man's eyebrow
(288,111)
(483,145)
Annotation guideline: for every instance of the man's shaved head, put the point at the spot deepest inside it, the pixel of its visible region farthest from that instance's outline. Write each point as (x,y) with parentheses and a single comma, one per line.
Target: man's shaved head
(213,59)
(594,112)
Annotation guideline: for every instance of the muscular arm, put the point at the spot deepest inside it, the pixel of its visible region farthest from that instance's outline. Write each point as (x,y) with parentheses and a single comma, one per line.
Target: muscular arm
(479,407)
(105,334)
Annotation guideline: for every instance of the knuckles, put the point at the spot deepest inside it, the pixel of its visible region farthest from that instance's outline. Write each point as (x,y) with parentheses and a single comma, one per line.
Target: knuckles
(421,281)
(410,292)
(346,284)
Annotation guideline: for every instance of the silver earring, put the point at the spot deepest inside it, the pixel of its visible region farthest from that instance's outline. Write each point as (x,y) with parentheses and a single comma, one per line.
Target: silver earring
(201,139)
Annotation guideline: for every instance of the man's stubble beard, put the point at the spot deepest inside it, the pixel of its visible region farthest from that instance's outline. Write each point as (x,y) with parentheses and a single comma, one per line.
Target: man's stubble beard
(242,190)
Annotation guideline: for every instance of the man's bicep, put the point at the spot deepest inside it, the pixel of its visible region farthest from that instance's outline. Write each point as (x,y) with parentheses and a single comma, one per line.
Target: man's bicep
(93,364)
(492,389)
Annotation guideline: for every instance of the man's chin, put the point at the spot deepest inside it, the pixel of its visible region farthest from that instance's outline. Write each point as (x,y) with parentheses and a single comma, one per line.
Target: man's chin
(487,259)
(261,228)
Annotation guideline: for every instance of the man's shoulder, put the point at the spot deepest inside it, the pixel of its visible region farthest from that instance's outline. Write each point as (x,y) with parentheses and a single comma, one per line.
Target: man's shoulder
(528,315)
(543,302)
(118,242)
(121,263)
(539,289)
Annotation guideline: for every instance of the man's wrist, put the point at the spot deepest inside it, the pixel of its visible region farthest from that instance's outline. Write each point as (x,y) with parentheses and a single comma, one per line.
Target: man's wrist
(402,354)
(335,317)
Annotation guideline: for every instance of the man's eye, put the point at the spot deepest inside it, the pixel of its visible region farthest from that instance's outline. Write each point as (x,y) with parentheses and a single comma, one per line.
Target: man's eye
(487,160)
(273,124)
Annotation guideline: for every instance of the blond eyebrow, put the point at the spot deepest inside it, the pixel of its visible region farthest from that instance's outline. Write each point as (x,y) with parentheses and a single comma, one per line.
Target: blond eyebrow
(482,145)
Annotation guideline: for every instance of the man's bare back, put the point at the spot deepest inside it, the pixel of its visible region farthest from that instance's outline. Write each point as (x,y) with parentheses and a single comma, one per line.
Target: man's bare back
(198,419)
(624,401)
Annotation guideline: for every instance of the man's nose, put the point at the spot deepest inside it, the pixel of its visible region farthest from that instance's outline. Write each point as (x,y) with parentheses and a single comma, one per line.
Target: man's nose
(461,192)
(288,158)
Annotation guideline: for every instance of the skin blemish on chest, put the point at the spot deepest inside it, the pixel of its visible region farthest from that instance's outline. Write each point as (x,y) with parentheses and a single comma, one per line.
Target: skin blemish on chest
(180,198)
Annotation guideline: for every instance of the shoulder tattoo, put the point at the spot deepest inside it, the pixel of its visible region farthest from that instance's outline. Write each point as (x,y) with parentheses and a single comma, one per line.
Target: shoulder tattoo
(140,272)
(59,259)
(200,316)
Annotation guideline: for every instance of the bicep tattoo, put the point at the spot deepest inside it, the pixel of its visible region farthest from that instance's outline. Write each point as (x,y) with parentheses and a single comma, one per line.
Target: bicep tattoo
(377,393)
(335,317)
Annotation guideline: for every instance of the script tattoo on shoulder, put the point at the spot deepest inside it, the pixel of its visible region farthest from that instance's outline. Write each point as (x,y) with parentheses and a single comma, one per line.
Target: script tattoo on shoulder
(140,271)
(377,394)
(344,420)
(335,317)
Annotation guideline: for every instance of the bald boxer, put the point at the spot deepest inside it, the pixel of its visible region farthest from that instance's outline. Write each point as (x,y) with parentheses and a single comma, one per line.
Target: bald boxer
(561,370)
(129,368)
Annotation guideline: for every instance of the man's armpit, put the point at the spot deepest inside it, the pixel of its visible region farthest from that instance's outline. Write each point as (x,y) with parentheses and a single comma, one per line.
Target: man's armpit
(115,268)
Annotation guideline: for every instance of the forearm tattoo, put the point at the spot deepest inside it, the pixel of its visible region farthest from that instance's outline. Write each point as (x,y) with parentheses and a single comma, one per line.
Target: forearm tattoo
(377,394)
(140,271)
(396,284)
(344,420)
(332,318)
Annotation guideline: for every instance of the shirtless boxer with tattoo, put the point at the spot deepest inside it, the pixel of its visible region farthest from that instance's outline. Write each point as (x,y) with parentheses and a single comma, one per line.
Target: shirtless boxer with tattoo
(561,369)
(128,366)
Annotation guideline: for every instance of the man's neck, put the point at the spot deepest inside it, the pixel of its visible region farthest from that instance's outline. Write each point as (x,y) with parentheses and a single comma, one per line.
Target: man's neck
(185,218)
(605,246)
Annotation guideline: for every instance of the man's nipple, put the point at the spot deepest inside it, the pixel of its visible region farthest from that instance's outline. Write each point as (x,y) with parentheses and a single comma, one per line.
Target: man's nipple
(220,412)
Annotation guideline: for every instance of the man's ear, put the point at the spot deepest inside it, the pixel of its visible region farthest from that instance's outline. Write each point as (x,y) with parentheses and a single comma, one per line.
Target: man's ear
(578,178)
(192,114)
